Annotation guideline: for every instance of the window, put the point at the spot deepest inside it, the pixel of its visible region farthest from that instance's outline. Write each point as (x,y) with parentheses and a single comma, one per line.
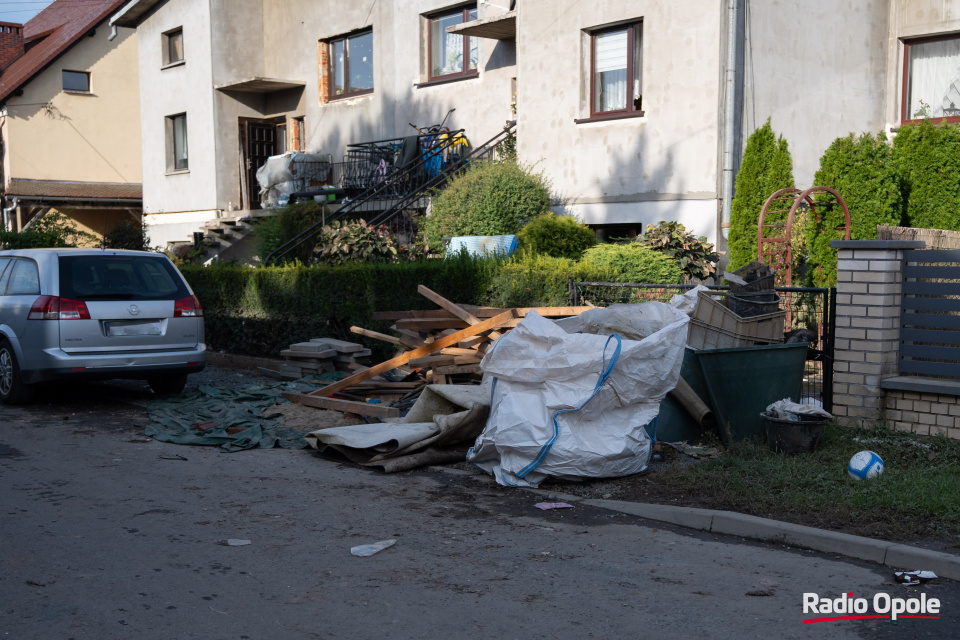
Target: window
(299,134)
(173,47)
(281,139)
(351,65)
(77,81)
(24,278)
(931,79)
(452,54)
(615,68)
(177,143)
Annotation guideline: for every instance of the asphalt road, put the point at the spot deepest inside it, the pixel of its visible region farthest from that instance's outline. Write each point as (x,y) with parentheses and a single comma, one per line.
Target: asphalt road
(109,535)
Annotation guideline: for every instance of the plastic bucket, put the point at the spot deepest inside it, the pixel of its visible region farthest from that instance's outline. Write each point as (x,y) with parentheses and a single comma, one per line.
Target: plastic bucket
(791,438)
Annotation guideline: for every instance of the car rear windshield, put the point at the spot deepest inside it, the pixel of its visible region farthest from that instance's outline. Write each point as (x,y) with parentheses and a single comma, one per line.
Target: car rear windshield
(112,277)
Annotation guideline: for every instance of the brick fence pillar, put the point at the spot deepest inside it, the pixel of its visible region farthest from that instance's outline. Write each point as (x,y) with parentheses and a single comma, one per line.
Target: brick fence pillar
(867,338)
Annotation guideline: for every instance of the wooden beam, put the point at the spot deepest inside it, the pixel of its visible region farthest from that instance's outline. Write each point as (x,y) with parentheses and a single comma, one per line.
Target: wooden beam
(425,350)
(452,323)
(453,308)
(360,331)
(346,406)
(456,369)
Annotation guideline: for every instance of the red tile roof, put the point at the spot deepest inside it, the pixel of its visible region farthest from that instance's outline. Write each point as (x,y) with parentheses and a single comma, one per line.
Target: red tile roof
(54,189)
(50,33)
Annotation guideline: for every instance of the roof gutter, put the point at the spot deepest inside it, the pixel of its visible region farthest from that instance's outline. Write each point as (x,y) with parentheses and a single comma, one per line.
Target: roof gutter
(729,117)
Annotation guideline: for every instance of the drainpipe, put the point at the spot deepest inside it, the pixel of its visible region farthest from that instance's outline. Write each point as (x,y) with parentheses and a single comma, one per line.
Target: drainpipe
(6,213)
(729,116)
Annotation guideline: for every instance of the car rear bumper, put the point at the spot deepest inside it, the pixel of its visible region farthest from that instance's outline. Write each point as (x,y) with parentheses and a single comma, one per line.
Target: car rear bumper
(55,364)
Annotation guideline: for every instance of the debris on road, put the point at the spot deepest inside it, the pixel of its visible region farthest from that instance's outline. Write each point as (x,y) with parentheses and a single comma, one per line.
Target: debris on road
(914,578)
(234,542)
(366,550)
(548,506)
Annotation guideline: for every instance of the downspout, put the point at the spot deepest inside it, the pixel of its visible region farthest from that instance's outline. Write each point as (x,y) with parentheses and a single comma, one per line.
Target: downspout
(6,213)
(729,117)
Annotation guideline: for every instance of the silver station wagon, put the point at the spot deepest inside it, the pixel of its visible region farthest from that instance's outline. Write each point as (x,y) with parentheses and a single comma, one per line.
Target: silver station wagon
(95,314)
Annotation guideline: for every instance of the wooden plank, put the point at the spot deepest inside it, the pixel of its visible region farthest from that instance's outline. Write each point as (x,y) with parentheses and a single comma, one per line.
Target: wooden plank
(440,324)
(453,308)
(456,351)
(546,312)
(346,406)
(473,343)
(456,369)
(479,312)
(425,350)
(376,335)
(410,339)
(432,361)
(412,315)
(385,384)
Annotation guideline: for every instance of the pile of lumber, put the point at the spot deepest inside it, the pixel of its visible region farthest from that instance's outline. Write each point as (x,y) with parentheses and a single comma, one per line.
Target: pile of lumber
(320,355)
(446,345)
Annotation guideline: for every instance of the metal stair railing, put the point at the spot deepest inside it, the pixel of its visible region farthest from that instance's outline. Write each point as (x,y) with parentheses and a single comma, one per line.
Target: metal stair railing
(412,179)
(487,151)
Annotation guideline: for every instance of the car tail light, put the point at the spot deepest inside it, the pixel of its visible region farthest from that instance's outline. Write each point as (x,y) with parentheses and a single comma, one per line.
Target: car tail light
(54,308)
(187,308)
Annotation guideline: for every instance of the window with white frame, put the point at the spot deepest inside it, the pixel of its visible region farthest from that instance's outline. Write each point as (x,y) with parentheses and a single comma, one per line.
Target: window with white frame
(931,78)
(616,65)
(451,54)
(76,81)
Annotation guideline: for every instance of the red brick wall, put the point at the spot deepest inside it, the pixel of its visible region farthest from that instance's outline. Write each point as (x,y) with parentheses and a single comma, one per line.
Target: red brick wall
(323,58)
(11,43)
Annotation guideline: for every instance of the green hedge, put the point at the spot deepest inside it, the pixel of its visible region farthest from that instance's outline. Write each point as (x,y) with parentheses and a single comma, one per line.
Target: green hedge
(928,156)
(264,310)
(765,169)
(863,172)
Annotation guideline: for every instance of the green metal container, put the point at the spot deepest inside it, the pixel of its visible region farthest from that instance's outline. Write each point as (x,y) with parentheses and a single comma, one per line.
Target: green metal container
(744,381)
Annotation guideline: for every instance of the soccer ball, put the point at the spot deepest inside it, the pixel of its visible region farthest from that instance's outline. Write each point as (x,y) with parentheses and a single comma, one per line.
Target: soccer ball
(865,464)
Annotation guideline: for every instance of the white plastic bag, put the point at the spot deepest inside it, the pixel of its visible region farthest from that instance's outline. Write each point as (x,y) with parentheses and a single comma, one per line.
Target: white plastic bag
(574,405)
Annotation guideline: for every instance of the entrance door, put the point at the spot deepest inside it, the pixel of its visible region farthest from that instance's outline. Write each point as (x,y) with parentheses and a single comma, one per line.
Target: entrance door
(261,144)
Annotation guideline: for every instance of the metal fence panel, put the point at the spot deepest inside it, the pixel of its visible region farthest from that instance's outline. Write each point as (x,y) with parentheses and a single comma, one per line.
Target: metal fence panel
(930,314)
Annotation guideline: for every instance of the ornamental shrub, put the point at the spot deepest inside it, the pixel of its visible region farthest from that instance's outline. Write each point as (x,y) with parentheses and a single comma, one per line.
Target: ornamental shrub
(693,254)
(631,262)
(556,236)
(339,243)
(488,199)
(766,168)
(531,280)
(862,170)
(274,231)
(928,157)
(53,229)
(127,235)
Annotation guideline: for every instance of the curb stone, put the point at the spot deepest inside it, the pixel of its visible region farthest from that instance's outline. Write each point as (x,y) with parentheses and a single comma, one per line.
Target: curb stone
(886,553)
